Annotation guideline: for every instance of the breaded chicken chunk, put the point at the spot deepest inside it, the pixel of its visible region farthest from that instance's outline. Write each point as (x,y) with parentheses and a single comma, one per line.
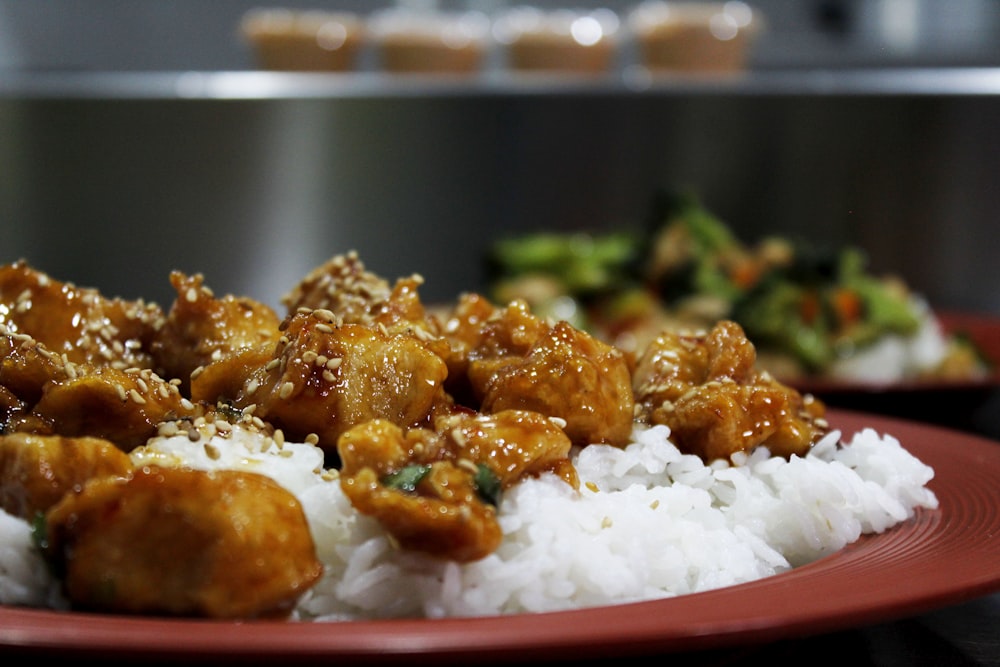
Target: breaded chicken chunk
(77,323)
(705,386)
(36,471)
(522,362)
(181,542)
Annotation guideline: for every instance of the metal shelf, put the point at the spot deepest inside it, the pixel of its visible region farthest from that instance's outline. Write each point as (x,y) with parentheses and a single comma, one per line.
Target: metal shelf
(259,85)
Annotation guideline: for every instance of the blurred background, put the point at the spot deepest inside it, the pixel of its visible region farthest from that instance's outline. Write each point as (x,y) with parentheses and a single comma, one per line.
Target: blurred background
(138,136)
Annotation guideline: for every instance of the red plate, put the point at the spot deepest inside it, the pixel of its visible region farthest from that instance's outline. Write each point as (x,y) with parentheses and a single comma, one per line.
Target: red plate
(939,558)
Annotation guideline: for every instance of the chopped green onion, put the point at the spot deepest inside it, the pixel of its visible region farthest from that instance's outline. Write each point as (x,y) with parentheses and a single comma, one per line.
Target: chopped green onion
(406,478)
(487,485)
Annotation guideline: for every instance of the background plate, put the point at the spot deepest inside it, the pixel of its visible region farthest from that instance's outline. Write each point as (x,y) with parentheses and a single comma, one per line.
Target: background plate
(971,405)
(983,330)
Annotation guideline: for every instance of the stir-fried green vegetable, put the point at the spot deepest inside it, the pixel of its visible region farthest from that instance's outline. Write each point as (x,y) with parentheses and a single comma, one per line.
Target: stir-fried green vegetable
(407,478)
(487,485)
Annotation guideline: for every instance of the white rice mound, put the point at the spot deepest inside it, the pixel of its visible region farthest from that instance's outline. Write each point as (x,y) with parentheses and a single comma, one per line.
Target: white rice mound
(648,522)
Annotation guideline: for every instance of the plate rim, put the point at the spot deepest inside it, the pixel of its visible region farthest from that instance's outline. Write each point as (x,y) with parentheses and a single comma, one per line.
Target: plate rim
(628,629)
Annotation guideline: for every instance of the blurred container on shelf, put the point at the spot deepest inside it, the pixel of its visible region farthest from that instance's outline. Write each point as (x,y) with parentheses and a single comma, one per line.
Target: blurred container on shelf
(408,40)
(304,40)
(693,36)
(561,40)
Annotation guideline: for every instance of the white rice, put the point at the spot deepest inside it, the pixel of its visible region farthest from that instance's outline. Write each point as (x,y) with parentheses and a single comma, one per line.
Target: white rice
(24,577)
(647,523)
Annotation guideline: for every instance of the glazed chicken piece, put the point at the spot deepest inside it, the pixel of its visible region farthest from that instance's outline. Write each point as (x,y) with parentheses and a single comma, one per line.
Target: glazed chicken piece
(404,313)
(79,364)
(461,327)
(514,444)
(25,369)
(341,285)
(521,362)
(123,406)
(706,388)
(325,377)
(354,295)
(36,471)
(182,542)
(201,329)
(76,323)
(11,407)
(437,491)
(46,394)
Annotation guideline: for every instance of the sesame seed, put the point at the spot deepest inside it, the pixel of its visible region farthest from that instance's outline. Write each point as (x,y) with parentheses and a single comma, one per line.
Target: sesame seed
(136,396)
(286,390)
(312,439)
(212,451)
(167,429)
(324,315)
